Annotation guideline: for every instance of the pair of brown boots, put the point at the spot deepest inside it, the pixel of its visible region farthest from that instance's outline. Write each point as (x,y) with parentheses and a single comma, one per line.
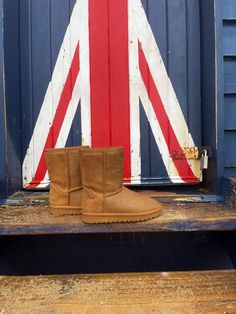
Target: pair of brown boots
(89,182)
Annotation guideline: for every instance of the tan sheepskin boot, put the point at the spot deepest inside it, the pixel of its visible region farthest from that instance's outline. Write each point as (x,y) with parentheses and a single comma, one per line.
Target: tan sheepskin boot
(105,199)
(65,180)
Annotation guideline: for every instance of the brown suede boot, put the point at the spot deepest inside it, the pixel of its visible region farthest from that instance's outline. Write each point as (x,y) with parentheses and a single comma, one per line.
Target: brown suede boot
(105,199)
(65,180)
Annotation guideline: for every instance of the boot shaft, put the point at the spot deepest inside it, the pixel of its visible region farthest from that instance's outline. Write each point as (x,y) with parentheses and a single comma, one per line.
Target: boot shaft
(65,176)
(63,164)
(102,169)
(104,197)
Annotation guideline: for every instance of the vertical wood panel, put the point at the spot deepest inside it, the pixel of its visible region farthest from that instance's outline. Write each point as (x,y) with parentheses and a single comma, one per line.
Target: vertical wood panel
(145,145)
(230,151)
(60,16)
(75,134)
(176,27)
(230,75)
(26,73)
(71,5)
(12,92)
(228,20)
(193,70)
(3,160)
(42,29)
(59,21)
(177,45)
(230,112)
(41,51)
(229,38)
(157,16)
(119,79)
(228,9)
(99,72)
(41,55)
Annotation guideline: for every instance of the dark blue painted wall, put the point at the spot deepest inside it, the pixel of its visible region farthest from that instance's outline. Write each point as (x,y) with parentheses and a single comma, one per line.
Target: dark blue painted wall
(10,102)
(42,27)
(228,24)
(12,92)
(211,100)
(176,28)
(3,164)
(218,79)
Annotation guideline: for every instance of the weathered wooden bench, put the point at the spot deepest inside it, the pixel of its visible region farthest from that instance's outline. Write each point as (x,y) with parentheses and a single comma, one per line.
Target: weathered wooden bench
(212,291)
(29,215)
(168,292)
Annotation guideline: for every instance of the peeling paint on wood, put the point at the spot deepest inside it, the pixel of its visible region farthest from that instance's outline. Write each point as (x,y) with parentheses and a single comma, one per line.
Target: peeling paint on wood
(16,220)
(166,292)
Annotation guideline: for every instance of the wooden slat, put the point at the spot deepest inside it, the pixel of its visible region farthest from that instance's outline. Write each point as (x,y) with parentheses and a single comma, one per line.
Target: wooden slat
(228,9)
(229,147)
(152,165)
(229,75)
(15,220)
(229,40)
(3,127)
(177,48)
(175,292)
(12,100)
(193,70)
(230,112)
(40,53)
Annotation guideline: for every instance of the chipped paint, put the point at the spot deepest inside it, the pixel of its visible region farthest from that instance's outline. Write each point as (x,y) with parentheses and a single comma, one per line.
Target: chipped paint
(169,292)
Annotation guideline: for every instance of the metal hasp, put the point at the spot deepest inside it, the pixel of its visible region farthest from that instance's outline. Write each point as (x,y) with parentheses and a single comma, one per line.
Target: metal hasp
(192,152)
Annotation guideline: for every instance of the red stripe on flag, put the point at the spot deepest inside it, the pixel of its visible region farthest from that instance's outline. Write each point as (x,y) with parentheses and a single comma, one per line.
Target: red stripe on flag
(99,72)
(182,165)
(58,118)
(109,75)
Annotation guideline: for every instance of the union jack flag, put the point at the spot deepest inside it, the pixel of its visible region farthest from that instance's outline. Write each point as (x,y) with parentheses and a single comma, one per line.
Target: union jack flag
(109,63)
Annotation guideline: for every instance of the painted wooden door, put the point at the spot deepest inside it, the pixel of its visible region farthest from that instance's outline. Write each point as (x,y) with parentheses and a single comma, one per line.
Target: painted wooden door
(108,73)
(228,9)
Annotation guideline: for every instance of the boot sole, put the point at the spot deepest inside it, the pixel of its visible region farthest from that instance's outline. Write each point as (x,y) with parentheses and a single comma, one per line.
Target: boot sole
(91,218)
(64,211)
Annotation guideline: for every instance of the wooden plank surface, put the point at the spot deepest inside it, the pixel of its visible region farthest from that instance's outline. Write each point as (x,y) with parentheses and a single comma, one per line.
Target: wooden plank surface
(228,9)
(229,75)
(230,112)
(229,40)
(231,191)
(168,292)
(16,220)
(230,152)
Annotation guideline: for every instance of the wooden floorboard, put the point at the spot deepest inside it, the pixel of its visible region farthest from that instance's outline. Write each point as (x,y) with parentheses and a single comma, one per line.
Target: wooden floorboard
(168,292)
(19,220)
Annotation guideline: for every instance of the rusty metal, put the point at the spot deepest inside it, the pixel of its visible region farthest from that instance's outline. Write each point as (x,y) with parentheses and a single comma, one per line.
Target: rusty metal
(191,152)
(186,153)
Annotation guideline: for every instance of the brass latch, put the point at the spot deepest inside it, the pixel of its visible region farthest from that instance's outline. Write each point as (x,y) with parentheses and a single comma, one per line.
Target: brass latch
(191,152)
